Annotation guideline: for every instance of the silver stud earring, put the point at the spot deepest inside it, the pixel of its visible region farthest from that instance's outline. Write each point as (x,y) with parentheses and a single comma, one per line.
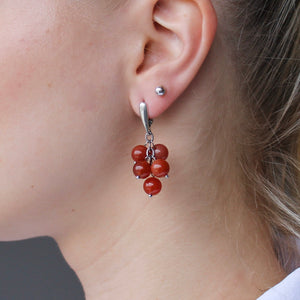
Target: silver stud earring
(160,91)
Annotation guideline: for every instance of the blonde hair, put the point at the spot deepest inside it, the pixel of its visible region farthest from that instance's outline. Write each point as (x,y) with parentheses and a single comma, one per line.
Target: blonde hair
(264,42)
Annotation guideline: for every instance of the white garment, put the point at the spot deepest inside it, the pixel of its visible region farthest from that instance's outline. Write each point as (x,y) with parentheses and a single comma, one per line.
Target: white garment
(288,289)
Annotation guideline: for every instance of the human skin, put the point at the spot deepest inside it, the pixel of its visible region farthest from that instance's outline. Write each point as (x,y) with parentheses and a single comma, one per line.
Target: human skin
(72,74)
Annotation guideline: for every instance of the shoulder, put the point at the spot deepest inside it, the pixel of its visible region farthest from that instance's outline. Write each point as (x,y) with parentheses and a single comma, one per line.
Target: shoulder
(288,289)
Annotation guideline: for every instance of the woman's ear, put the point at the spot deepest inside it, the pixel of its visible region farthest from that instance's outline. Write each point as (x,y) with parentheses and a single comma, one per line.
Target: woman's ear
(177,36)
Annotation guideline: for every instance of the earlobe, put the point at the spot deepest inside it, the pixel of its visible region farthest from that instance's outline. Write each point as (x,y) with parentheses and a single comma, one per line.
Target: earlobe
(178,42)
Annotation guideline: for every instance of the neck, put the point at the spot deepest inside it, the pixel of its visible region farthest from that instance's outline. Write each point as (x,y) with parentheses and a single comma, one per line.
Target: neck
(196,240)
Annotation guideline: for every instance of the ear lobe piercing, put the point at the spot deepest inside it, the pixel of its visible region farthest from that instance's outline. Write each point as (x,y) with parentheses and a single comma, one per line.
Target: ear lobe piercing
(150,159)
(160,91)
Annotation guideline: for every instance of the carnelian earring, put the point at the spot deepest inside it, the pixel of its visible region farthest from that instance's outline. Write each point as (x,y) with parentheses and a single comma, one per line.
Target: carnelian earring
(150,159)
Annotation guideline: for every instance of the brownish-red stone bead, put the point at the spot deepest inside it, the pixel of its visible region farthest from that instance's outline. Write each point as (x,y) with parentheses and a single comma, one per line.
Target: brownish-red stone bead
(139,153)
(161,151)
(141,169)
(160,168)
(152,186)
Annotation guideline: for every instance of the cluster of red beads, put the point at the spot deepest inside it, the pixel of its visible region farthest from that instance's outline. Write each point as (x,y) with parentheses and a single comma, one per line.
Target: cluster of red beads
(144,167)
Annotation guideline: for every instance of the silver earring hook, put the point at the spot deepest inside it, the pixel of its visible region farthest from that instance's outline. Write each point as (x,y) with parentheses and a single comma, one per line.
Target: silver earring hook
(145,118)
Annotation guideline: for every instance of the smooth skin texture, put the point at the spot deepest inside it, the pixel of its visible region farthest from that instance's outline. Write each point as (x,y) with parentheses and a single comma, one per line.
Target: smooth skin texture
(72,75)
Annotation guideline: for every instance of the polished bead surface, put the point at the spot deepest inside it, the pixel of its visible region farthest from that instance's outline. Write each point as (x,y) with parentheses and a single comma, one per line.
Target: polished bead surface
(161,151)
(160,168)
(139,153)
(152,186)
(141,169)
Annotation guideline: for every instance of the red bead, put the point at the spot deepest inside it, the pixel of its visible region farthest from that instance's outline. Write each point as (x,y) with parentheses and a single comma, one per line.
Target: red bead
(161,151)
(139,153)
(152,186)
(141,169)
(160,168)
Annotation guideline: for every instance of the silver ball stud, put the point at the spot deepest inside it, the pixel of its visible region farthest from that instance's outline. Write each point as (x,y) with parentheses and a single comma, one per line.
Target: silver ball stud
(160,91)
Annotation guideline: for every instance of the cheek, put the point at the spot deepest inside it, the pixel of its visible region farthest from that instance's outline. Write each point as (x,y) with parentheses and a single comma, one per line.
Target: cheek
(52,50)
(54,103)
(23,31)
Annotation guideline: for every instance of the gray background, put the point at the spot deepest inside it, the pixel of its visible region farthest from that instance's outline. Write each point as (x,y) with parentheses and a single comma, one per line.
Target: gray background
(35,269)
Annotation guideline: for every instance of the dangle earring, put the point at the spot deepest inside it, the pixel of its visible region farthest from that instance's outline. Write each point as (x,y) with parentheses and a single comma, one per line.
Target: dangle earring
(150,159)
